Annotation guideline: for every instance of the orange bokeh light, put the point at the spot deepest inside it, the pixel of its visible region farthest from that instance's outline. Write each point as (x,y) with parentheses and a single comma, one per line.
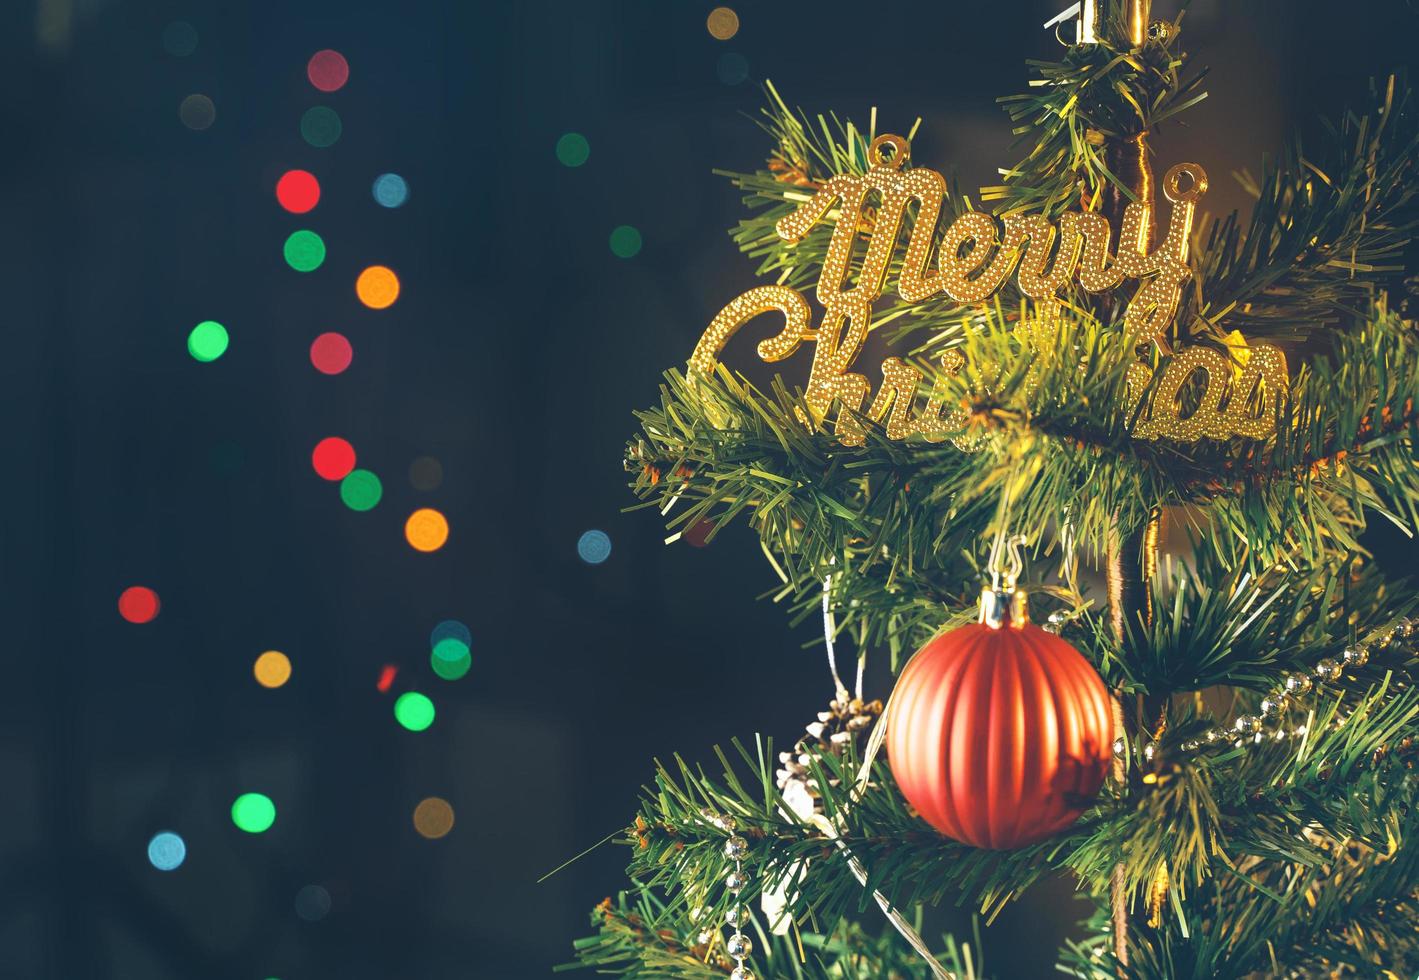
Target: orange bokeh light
(433,818)
(426,529)
(377,287)
(272,669)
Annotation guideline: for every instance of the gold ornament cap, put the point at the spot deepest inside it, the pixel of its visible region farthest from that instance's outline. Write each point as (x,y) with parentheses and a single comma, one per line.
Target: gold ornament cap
(1002,607)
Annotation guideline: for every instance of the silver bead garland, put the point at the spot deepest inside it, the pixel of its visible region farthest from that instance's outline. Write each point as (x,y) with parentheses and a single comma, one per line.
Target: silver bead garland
(739,946)
(1253,728)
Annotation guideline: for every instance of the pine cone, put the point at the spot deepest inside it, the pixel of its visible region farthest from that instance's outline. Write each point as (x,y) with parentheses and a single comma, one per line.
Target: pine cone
(845,723)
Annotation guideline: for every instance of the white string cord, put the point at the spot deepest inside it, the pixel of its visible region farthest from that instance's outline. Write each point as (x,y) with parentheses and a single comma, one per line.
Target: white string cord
(833,830)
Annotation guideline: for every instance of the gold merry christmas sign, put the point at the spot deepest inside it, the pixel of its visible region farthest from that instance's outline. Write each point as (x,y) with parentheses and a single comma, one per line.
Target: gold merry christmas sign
(975,258)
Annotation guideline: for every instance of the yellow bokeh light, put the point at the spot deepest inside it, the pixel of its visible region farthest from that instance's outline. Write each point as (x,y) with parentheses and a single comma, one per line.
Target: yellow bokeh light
(426,529)
(722,23)
(377,287)
(272,668)
(433,818)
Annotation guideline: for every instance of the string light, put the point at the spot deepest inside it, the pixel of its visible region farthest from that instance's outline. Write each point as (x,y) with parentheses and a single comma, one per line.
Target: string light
(433,818)
(390,191)
(361,490)
(450,658)
(594,547)
(297,191)
(333,458)
(377,287)
(625,241)
(320,126)
(197,112)
(207,341)
(451,628)
(138,604)
(386,678)
(331,353)
(573,150)
(328,70)
(304,250)
(167,851)
(414,711)
(253,813)
(722,23)
(426,529)
(272,669)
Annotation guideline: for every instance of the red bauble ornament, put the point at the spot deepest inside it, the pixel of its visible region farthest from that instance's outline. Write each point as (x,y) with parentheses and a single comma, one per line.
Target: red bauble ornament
(1001,735)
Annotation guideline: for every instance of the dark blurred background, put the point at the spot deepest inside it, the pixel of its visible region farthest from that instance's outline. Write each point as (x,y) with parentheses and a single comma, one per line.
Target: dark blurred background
(514,356)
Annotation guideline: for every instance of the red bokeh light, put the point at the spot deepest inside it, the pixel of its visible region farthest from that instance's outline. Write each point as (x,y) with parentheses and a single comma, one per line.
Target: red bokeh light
(333,458)
(297,191)
(138,604)
(328,70)
(386,678)
(331,353)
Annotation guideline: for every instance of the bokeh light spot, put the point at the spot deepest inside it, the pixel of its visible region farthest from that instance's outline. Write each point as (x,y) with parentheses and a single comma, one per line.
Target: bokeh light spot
(312,903)
(625,241)
(298,191)
(451,628)
(272,669)
(433,818)
(361,490)
(451,670)
(253,813)
(328,70)
(207,341)
(414,711)
(138,604)
(377,287)
(331,353)
(320,126)
(426,529)
(386,678)
(722,23)
(333,458)
(390,190)
(167,851)
(197,112)
(733,68)
(450,648)
(179,39)
(594,547)
(426,473)
(573,149)
(304,251)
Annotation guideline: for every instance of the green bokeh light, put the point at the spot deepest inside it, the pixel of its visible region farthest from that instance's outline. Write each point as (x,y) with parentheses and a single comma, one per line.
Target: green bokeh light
(450,648)
(320,126)
(573,149)
(625,241)
(361,490)
(207,341)
(304,251)
(414,711)
(253,813)
(451,670)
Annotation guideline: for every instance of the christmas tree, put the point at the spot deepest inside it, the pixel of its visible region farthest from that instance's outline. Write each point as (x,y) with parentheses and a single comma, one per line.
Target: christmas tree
(1168,449)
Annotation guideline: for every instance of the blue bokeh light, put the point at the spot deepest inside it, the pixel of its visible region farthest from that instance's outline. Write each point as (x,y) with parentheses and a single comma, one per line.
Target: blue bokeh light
(390,190)
(167,851)
(451,629)
(594,547)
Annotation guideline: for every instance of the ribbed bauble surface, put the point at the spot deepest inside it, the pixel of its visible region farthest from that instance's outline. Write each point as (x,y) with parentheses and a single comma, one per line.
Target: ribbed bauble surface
(999,737)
